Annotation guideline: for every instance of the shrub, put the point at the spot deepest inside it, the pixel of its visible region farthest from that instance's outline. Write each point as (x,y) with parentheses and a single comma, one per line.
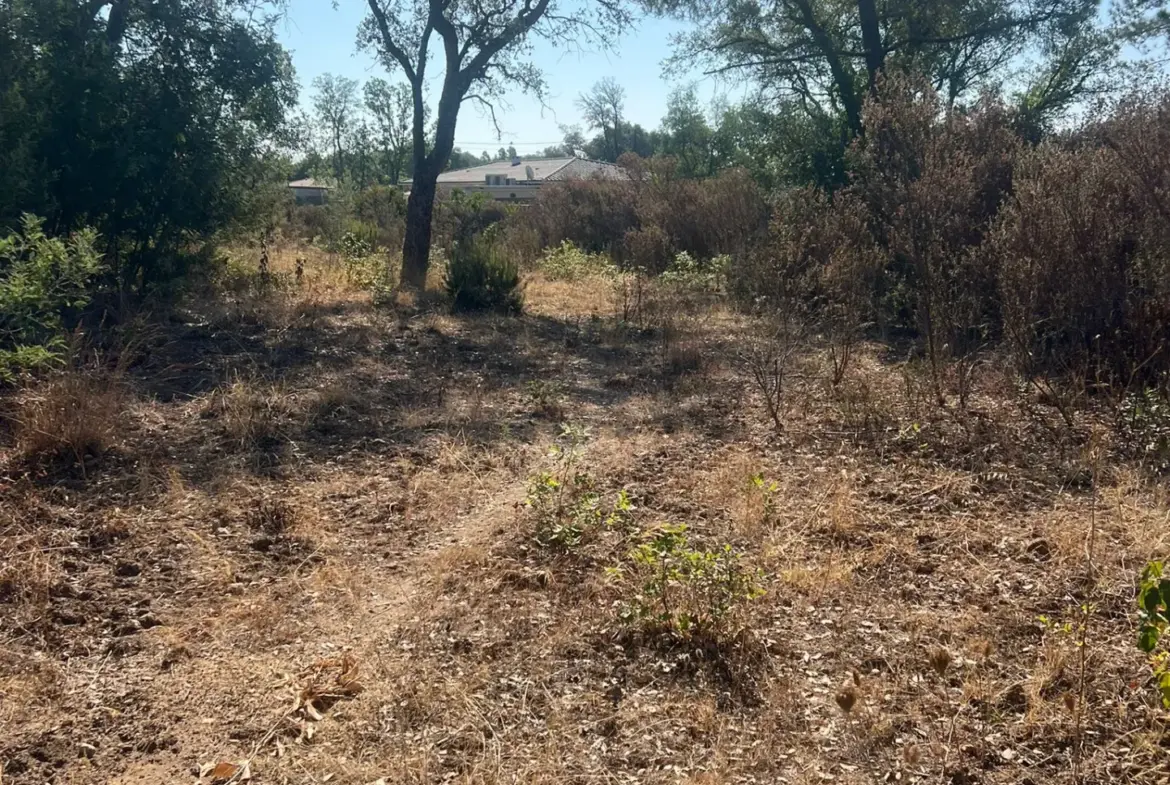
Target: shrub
(1144,427)
(682,590)
(1083,248)
(644,222)
(593,215)
(1154,611)
(567,262)
(365,268)
(383,209)
(564,501)
(459,217)
(932,188)
(42,281)
(688,272)
(647,249)
(481,277)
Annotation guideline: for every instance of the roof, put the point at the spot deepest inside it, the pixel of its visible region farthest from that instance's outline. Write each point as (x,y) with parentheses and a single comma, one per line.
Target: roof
(308,182)
(542,169)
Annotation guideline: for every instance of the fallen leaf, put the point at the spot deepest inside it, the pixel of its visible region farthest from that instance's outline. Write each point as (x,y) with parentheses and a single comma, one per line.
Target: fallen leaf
(224,771)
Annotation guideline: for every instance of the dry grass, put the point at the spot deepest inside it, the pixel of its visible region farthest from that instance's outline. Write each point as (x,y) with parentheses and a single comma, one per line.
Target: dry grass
(68,420)
(345,483)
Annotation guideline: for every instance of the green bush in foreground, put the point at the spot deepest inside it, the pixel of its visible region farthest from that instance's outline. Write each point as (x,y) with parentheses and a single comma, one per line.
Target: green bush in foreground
(1154,610)
(41,279)
(681,589)
(481,277)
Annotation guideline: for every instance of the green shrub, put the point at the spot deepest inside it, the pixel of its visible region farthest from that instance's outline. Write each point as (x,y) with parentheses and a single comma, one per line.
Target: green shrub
(1154,610)
(683,590)
(1144,427)
(564,502)
(460,216)
(689,272)
(481,277)
(382,211)
(567,262)
(42,279)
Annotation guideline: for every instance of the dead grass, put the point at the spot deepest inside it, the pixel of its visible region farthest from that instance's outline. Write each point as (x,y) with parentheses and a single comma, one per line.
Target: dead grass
(335,481)
(69,420)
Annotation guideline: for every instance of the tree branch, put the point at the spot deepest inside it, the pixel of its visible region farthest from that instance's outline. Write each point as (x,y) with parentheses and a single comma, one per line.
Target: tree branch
(486,104)
(396,51)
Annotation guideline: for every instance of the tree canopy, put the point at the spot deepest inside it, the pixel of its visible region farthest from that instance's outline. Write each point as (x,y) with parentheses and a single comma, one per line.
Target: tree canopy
(826,55)
(152,121)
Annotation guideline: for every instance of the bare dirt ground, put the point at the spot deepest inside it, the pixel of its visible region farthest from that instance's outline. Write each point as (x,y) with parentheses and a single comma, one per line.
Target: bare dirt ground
(305,549)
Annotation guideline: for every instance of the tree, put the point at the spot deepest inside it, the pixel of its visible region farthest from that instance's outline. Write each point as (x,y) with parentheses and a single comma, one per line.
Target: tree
(827,54)
(573,141)
(390,106)
(335,103)
(362,161)
(602,108)
(1142,20)
(783,145)
(483,47)
(686,134)
(152,121)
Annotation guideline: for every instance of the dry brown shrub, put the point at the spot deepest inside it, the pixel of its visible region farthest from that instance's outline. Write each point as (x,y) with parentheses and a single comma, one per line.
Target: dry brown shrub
(67,421)
(1085,275)
(932,188)
(644,222)
(251,414)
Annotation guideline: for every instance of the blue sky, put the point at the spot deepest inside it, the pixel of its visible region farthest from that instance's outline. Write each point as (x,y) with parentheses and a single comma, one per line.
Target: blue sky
(323,40)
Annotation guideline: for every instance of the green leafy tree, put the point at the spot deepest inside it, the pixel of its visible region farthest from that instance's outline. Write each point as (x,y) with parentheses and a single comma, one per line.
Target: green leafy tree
(335,103)
(688,136)
(144,119)
(390,107)
(828,54)
(783,146)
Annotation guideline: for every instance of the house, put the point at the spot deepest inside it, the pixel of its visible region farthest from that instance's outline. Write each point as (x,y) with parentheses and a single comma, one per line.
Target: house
(309,191)
(520,179)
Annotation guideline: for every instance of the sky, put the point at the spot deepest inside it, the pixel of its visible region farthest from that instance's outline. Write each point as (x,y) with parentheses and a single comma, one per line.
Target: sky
(322,39)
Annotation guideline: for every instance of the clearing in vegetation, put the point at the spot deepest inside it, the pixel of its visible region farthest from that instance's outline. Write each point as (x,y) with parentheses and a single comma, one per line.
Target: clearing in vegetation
(297,536)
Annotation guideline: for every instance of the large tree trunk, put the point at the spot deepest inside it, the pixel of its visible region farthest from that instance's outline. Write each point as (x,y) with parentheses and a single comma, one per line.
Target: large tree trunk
(842,75)
(871,40)
(420,208)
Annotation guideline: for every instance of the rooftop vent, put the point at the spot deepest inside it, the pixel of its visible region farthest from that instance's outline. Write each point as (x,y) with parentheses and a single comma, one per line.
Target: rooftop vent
(515,160)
